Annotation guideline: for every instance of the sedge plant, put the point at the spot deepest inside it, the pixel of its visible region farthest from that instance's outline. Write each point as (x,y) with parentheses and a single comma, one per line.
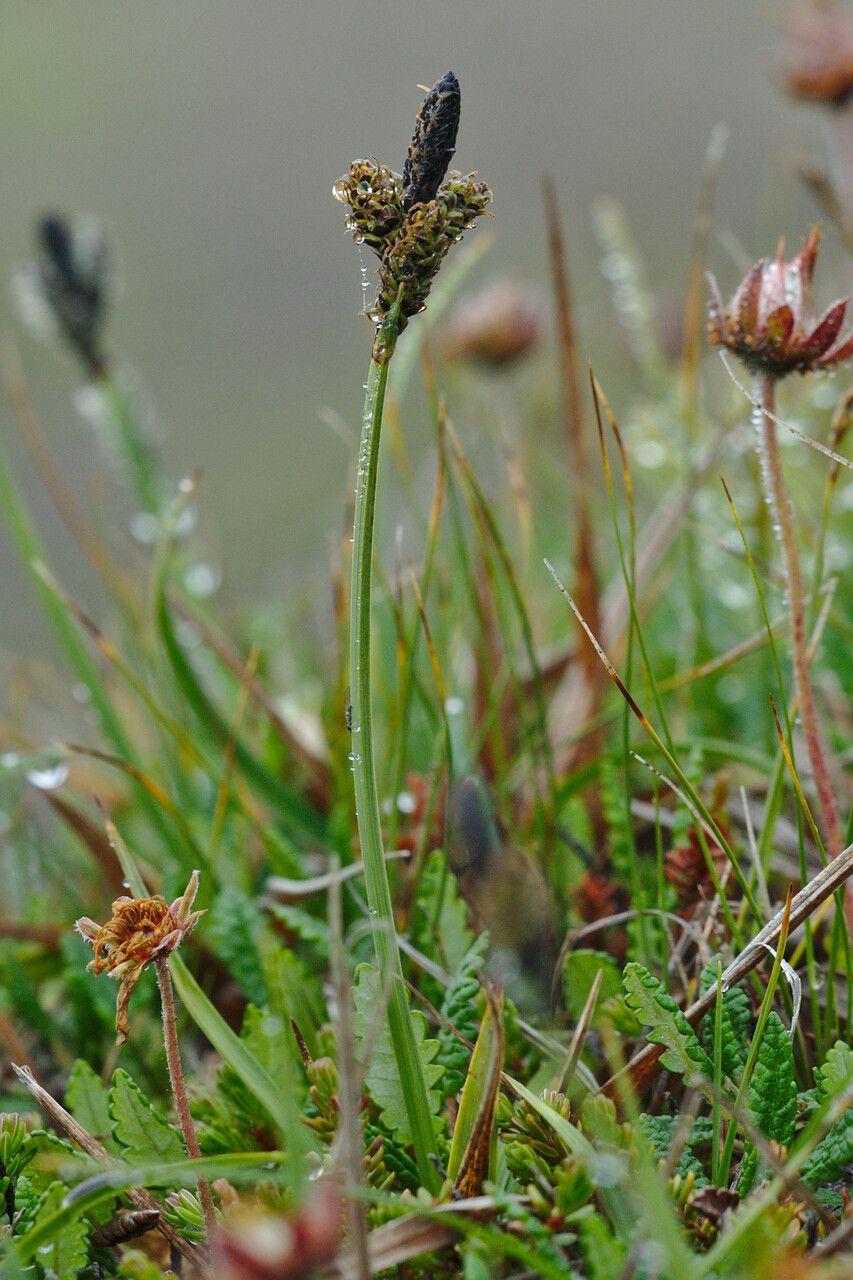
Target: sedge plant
(410,221)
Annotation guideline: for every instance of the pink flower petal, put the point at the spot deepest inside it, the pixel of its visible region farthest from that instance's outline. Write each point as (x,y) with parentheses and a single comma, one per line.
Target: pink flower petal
(826,331)
(839,355)
(744,304)
(87,928)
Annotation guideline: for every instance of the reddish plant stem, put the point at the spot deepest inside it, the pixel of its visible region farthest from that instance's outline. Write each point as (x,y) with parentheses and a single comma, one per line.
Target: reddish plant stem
(179,1089)
(780,507)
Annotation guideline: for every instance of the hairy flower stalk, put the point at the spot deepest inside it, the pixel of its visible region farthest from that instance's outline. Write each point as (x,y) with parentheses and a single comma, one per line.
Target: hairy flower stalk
(143,931)
(409,221)
(772,325)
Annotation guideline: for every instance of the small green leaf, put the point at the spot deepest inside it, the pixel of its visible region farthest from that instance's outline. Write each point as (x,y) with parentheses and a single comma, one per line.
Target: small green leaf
(773,1086)
(461,1009)
(831,1157)
(144,1132)
(88,1100)
(383,1077)
(67,1253)
(657,1010)
(836,1072)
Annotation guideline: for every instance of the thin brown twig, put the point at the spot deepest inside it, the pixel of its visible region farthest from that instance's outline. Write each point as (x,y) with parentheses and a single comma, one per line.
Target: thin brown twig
(586,586)
(84,1140)
(777,500)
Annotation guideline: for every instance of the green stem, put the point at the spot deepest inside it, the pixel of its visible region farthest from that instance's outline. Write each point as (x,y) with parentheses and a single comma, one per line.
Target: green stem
(363,766)
(137,453)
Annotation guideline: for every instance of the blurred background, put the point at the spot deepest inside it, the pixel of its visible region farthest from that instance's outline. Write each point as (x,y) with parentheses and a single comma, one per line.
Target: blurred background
(208,134)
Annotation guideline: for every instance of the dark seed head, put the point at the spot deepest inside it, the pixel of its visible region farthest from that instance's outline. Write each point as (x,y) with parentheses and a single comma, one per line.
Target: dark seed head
(434,142)
(73,269)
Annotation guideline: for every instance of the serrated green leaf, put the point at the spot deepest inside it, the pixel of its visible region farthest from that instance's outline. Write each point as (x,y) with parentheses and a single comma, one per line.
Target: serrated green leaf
(836,1072)
(773,1086)
(50,1158)
(88,1100)
(232,928)
(67,1253)
(667,1025)
(831,1156)
(306,927)
(383,1077)
(141,1130)
(461,1009)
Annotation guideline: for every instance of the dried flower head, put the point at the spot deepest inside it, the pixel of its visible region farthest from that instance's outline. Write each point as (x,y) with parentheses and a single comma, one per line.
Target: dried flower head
(66,289)
(411,220)
(433,143)
(140,930)
(817,64)
(771,321)
(496,326)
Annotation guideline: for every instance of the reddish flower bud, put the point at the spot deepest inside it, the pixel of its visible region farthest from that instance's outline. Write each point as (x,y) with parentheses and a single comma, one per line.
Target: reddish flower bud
(496,326)
(771,322)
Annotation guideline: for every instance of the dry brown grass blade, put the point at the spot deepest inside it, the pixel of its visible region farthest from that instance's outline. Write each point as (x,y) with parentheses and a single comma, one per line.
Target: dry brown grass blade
(581,1032)
(91,836)
(586,584)
(803,905)
(397,1242)
(69,1126)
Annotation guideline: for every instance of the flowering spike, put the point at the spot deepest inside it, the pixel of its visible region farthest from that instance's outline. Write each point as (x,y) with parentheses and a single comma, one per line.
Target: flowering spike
(411,221)
(70,284)
(434,142)
(771,322)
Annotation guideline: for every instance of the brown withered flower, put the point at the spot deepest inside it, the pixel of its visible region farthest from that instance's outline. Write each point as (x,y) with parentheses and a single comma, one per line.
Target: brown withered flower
(139,931)
(771,322)
(817,63)
(494,327)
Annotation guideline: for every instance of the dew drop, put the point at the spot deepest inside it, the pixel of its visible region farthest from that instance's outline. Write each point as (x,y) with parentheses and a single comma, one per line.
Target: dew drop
(49,778)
